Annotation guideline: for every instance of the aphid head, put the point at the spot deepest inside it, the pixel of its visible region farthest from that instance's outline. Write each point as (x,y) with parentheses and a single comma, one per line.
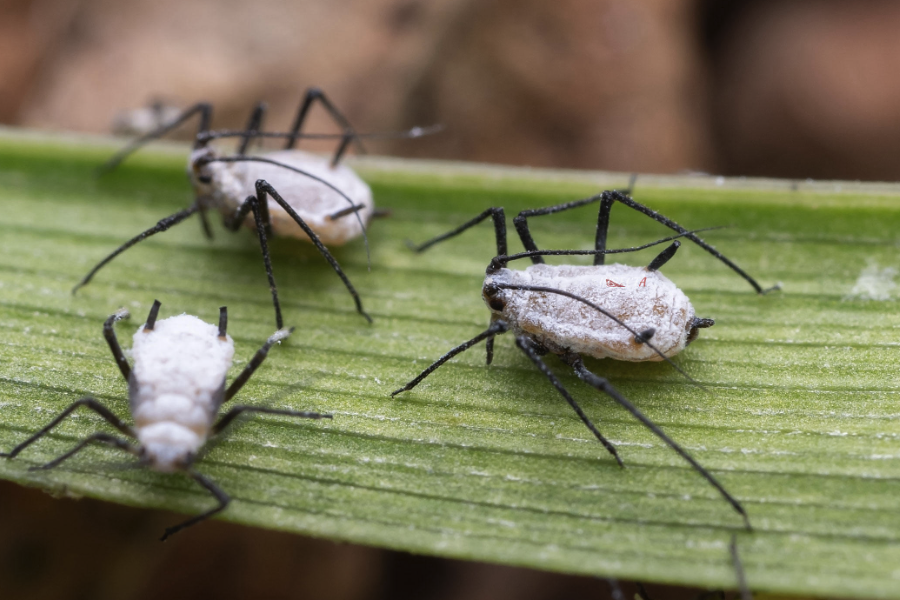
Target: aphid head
(200,170)
(168,447)
(493,297)
(694,327)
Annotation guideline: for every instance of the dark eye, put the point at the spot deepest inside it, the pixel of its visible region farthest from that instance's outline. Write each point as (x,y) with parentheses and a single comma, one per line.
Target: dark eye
(497,304)
(205,179)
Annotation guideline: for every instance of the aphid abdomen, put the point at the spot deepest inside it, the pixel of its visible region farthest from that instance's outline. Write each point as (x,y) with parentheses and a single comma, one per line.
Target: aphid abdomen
(313,201)
(640,298)
(177,385)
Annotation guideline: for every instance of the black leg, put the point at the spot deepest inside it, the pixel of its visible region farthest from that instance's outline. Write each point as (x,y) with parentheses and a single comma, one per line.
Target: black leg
(603,222)
(162,225)
(739,570)
(496,328)
(664,257)
(604,386)
(521,222)
(496,213)
(109,333)
(213,489)
(101,437)
(348,137)
(203,109)
(345,211)
(489,350)
(87,402)
(602,230)
(255,362)
(312,95)
(627,201)
(254,125)
(223,322)
(204,221)
(262,190)
(261,216)
(152,316)
(236,411)
(642,592)
(524,344)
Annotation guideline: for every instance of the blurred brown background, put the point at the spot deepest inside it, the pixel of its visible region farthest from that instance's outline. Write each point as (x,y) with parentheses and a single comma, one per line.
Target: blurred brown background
(781,88)
(785,88)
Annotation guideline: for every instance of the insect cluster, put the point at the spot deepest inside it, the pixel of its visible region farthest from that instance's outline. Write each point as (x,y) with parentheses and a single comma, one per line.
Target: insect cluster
(177,382)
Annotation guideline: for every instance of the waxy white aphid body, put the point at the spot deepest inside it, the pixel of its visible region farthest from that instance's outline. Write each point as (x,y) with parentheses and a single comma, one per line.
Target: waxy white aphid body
(638,297)
(603,311)
(177,387)
(229,184)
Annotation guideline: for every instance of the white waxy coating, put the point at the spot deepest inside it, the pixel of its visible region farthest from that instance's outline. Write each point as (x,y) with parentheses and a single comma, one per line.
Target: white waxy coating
(646,299)
(233,182)
(176,389)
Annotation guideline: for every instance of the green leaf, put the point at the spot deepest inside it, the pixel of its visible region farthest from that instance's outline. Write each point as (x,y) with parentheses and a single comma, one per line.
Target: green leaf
(800,420)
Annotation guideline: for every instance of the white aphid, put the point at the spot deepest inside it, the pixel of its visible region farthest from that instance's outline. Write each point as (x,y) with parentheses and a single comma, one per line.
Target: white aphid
(177,387)
(228,184)
(603,311)
(638,297)
(287,192)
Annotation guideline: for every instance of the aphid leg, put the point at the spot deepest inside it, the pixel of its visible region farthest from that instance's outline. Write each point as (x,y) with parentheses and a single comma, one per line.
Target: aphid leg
(346,211)
(526,346)
(204,222)
(521,222)
(602,229)
(615,196)
(88,402)
(109,333)
(348,137)
(204,109)
(497,327)
(255,362)
(496,213)
(739,569)
(313,94)
(664,256)
(223,322)
(213,489)
(262,230)
(489,348)
(254,125)
(162,225)
(236,411)
(642,592)
(152,316)
(100,436)
(263,189)
(604,386)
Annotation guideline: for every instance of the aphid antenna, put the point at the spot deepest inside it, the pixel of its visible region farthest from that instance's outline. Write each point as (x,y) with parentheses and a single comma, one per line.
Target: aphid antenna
(642,337)
(203,108)
(739,569)
(354,207)
(500,261)
(413,133)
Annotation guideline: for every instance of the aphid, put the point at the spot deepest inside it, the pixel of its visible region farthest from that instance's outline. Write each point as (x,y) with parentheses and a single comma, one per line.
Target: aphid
(175,390)
(290,192)
(141,121)
(601,310)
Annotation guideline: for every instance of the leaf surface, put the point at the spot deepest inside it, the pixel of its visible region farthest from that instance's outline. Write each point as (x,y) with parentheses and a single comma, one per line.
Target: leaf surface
(800,420)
